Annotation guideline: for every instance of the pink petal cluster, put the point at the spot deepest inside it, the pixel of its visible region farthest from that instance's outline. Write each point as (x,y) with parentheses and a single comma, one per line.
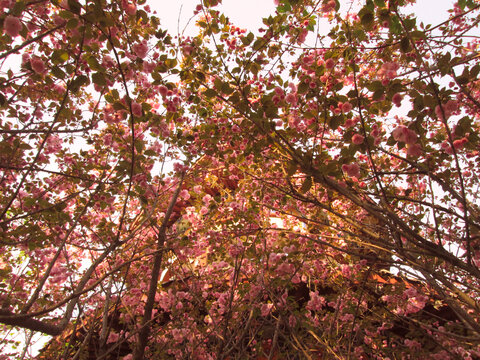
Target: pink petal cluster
(37,65)
(12,26)
(129,7)
(460,143)
(457,144)
(346,107)
(358,139)
(404,134)
(136,109)
(388,72)
(140,49)
(414,150)
(350,122)
(316,302)
(291,98)
(329,6)
(184,194)
(352,170)
(449,108)
(329,64)
(397,99)
(279,95)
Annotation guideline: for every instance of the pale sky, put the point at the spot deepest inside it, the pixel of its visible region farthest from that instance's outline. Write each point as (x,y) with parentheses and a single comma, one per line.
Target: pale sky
(243,13)
(249,13)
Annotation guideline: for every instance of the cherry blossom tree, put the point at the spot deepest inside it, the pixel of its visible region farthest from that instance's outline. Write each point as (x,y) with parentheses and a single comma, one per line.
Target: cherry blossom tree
(305,191)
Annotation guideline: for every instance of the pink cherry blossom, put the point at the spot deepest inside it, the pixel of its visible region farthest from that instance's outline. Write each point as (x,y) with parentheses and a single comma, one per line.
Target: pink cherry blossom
(140,49)
(346,107)
(329,64)
(130,8)
(448,109)
(404,134)
(459,143)
(352,170)
(163,90)
(37,65)
(184,194)
(12,26)
(414,150)
(291,98)
(349,123)
(388,71)
(358,139)
(136,109)
(397,99)
(265,309)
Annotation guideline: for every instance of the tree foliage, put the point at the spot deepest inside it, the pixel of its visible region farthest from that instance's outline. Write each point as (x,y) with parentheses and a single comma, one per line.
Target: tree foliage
(290,193)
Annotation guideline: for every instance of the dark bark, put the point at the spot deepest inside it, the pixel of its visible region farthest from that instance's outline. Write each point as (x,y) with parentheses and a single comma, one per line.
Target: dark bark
(23,321)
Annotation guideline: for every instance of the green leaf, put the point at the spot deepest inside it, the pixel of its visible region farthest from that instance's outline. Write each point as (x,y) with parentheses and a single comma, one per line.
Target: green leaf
(218,84)
(378,94)
(375,86)
(17,8)
(366,17)
(226,89)
(258,44)
(58,73)
(474,71)
(74,6)
(291,168)
(247,40)
(59,56)
(307,184)
(405,45)
(471,4)
(76,84)
(303,88)
(94,64)
(417,34)
(200,76)
(72,24)
(335,121)
(171,63)
(210,93)
(119,106)
(64,14)
(99,79)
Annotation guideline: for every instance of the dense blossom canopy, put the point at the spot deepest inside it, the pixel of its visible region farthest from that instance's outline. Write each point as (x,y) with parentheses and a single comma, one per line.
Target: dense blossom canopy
(308,190)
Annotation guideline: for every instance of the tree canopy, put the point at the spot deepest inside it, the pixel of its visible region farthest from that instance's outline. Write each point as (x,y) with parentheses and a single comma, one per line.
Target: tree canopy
(308,190)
